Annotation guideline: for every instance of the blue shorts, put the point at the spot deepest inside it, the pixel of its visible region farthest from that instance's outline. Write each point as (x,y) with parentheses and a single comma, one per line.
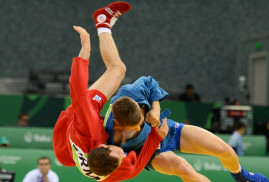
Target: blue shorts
(174,145)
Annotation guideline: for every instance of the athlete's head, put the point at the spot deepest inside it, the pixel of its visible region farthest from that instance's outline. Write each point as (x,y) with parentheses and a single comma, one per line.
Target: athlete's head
(105,159)
(127,114)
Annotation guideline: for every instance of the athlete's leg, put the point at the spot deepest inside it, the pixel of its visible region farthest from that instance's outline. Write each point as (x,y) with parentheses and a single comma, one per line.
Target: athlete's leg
(197,140)
(111,79)
(171,164)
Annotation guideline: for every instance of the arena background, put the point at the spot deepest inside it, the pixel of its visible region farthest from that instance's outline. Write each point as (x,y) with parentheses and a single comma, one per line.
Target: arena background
(206,43)
(203,42)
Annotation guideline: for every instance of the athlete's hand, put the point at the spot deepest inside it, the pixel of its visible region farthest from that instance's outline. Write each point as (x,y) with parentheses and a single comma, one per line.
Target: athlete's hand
(153,117)
(85,42)
(163,130)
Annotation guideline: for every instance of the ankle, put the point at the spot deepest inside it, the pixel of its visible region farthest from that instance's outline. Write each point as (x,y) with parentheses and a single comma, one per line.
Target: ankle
(103,30)
(237,171)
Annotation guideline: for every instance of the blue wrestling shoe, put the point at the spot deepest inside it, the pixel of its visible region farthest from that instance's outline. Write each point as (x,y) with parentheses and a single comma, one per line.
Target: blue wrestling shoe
(245,176)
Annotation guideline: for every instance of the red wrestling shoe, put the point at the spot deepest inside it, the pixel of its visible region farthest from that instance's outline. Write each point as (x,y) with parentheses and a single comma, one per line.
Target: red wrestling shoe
(107,16)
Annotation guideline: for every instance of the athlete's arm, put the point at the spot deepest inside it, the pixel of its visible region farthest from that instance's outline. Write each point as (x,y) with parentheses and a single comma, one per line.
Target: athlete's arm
(144,157)
(85,51)
(133,165)
(153,116)
(79,89)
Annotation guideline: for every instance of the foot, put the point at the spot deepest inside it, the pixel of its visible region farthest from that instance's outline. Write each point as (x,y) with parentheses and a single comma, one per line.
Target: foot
(107,16)
(245,176)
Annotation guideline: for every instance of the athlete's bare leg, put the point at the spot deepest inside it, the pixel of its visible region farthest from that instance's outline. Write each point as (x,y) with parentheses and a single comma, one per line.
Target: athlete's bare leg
(109,82)
(199,141)
(104,19)
(171,164)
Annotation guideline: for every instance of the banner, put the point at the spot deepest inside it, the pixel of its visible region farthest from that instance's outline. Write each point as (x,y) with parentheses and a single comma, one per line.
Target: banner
(26,137)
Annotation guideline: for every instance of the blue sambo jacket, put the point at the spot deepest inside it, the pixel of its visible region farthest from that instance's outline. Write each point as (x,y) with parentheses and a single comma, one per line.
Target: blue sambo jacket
(144,91)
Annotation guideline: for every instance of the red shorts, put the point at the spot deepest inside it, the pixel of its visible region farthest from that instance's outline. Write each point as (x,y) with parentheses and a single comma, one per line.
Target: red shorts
(67,127)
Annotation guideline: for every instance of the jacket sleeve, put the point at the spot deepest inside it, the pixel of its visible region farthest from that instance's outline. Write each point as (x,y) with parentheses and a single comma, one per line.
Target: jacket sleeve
(133,165)
(143,90)
(84,116)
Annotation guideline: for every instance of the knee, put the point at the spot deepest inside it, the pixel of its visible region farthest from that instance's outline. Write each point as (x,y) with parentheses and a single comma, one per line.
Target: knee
(225,152)
(118,68)
(182,168)
(174,166)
